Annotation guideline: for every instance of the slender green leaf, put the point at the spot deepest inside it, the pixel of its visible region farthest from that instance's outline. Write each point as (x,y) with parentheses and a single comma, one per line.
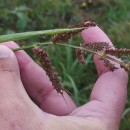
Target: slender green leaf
(27,35)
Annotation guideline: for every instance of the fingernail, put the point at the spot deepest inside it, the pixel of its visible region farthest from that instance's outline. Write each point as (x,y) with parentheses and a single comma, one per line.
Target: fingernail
(4,52)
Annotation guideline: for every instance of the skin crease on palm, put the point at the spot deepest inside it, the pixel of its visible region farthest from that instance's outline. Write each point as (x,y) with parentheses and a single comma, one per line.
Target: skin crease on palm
(22,80)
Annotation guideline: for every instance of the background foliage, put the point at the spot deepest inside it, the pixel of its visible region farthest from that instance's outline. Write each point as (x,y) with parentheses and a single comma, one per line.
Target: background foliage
(111,15)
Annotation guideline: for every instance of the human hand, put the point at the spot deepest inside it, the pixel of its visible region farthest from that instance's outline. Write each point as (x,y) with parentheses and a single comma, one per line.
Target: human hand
(19,112)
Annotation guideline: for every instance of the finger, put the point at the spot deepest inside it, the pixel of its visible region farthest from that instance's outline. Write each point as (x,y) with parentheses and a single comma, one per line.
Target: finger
(92,35)
(39,87)
(108,96)
(10,82)
(107,99)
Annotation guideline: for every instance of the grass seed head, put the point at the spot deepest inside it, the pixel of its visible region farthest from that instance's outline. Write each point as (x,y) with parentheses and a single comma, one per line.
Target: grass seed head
(64,37)
(109,65)
(46,64)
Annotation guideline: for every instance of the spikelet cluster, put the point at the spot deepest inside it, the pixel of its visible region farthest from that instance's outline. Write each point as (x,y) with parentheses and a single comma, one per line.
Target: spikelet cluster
(80,56)
(109,65)
(64,37)
(84,24)
(118,52)
(46,64)
(123,54)
(97,47)
(126,67)
(105,49)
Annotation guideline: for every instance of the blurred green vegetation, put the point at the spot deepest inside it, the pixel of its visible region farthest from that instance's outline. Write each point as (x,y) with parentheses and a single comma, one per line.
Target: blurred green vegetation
(111,15)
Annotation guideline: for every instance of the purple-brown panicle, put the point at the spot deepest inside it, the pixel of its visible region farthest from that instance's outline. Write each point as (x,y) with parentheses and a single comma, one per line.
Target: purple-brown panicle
(97,47)
(46,64)
(109,65)
(64,37)
(121,52)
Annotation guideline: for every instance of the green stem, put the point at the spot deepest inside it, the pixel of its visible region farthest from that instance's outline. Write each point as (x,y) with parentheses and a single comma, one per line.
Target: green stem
(31,46)
(24,48)
(27,35)
(76,47)
(61,44)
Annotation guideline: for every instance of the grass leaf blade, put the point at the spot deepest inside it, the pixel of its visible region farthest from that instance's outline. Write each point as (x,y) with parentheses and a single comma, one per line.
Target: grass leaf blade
(27,35)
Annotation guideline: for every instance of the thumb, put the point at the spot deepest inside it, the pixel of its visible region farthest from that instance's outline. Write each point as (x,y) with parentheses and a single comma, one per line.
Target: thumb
(10,82)
(9,69)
